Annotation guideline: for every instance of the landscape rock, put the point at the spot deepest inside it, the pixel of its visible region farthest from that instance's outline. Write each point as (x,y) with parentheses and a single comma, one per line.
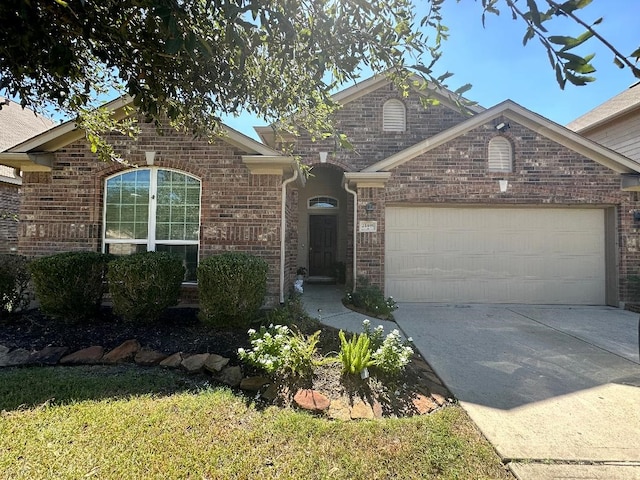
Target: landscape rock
(149,357)
(215,363)
(19,356)
(311,400)
(339,410)
(424,404)
(377,409)
(231,376)
(439,399)
(88,355)
(123,352)
(172,361)
(48,355)
(271,393)
(253,384)
(194,363)
(4,350)
(362,411)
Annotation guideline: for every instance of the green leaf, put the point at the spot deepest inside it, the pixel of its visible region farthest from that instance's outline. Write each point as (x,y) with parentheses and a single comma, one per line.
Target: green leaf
(464,88)
(561,40)
(534,14)
(618,62)
(528,36)
(636,54)
(559,77)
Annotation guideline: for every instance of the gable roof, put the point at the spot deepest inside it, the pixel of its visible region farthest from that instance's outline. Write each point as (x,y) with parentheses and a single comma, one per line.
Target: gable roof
(18,124)
(34,153)
(623,103)
(354,92)
(539,124)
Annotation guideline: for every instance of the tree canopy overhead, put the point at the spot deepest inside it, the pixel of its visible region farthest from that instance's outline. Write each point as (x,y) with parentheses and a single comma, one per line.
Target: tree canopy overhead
(197,60)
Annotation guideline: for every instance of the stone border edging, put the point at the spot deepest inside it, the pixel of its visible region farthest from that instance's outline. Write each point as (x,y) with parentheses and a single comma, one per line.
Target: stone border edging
(131,351)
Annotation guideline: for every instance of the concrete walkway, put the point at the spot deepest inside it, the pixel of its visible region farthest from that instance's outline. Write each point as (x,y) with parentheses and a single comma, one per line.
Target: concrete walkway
(556,390)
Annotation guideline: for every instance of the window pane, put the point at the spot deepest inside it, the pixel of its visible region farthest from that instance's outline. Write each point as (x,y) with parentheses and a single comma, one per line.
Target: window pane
(189,256)
(124,248)
(162,231)
(127,204)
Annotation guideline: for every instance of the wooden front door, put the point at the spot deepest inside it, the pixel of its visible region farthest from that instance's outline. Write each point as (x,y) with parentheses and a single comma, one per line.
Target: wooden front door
(322,244)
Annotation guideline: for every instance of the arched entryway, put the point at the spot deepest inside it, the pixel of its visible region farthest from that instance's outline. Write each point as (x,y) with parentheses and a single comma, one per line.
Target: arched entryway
(323,224)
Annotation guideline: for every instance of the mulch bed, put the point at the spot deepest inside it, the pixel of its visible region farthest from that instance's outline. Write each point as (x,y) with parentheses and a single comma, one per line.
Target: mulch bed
(179,330)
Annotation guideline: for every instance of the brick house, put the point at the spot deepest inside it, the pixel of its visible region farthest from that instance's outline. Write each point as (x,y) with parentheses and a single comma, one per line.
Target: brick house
(497,205)
(16,124)
(436,204)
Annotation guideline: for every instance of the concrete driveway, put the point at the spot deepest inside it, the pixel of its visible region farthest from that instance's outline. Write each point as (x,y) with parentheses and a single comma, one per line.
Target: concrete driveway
(549,386)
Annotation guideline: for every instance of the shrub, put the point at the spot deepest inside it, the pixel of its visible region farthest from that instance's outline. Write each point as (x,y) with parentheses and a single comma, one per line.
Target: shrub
(14,283)
(144,285)
(231,287)
(70,285)
(279,351)
(370,299)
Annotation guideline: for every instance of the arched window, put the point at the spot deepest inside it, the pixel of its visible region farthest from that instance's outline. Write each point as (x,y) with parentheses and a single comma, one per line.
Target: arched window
(394,116)
(500,155)
(153,209)
(323,202)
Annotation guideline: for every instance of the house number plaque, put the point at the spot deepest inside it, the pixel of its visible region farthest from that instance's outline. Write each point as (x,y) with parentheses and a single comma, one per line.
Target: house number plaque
(368,226)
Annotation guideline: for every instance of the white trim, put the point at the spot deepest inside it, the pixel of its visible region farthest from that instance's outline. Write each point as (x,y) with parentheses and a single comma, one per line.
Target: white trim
(313,207)
(151,241)
(499,155)
(394,116)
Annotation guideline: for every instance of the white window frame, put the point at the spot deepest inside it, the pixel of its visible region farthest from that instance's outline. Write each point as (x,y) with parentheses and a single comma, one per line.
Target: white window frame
(500,155)
(151,242)
(315,207)
(398,122)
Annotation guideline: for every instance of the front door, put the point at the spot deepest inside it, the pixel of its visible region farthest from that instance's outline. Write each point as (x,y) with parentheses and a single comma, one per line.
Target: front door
(322,245)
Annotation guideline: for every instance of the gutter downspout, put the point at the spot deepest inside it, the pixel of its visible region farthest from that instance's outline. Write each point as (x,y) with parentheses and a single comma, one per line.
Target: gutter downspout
(283,226)
(355,230)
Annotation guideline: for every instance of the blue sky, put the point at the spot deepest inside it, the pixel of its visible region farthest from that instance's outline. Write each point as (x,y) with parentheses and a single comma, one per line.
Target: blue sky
(499,67)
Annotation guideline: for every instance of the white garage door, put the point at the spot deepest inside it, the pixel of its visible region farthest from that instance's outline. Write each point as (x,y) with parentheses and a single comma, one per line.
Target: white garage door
(495,255)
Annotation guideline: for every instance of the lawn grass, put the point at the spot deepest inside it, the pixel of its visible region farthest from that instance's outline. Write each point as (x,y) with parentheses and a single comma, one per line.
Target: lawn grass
(124,422)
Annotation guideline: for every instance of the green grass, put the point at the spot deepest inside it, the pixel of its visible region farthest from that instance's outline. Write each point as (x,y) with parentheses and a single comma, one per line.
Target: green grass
(121,422)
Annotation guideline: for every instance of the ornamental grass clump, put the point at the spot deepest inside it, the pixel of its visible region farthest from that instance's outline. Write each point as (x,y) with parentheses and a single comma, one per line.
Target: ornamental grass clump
(355,353)
(389,354)
(280,351)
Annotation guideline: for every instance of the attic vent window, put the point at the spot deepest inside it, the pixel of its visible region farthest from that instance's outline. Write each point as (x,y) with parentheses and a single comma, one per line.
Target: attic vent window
(500,155)
(394,116)
(323,202)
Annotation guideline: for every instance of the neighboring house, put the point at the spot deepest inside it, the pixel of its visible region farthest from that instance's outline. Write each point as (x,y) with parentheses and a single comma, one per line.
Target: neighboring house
(434,205)
(615,123)
(16,124)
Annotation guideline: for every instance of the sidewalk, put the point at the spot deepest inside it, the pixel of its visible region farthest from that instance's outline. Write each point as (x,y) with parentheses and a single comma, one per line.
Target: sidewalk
(324,302)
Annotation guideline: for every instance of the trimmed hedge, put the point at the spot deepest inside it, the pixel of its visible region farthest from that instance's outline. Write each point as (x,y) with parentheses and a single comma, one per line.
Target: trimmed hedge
(231,288)
(70,285)
(14,283)
(144,285)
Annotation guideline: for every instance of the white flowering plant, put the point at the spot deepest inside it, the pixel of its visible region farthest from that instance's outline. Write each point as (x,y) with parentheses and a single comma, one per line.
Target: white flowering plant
(280,351)
(391,354)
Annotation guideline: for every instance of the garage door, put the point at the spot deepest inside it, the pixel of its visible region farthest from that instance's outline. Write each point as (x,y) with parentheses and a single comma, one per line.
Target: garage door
(495,255)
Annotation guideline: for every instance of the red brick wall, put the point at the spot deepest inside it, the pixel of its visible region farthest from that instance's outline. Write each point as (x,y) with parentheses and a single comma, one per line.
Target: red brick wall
(361,121)
(544,173)
(9,206)
(62,210)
